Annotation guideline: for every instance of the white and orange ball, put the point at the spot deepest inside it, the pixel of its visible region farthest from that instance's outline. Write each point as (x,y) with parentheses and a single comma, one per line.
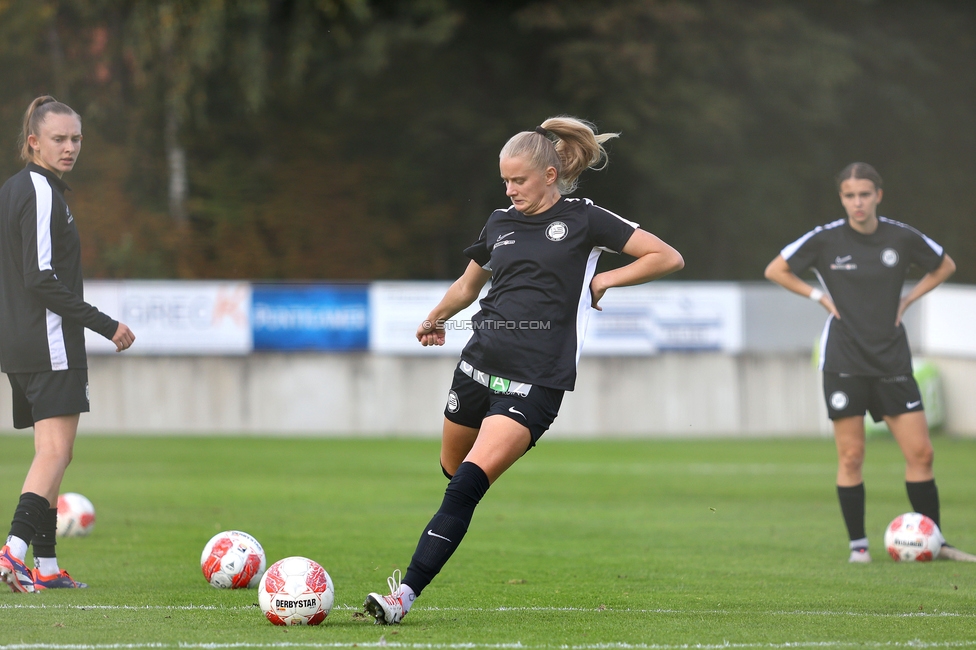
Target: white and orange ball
(233,560)
(296,591)
(913,537)
(76,515)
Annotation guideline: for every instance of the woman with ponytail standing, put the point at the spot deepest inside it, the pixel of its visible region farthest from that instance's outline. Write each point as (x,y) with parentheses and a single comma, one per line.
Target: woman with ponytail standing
(541,255)
(43,315)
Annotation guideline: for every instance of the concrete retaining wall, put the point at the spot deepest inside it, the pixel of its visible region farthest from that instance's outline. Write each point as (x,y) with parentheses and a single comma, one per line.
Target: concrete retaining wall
(697,394)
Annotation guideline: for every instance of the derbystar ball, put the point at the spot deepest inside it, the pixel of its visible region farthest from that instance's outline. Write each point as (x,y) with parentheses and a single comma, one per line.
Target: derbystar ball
(296,591)
(913,537)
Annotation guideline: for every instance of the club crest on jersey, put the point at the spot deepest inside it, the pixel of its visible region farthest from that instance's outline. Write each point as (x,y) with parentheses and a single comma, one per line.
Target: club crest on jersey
(889,257)
(557,231)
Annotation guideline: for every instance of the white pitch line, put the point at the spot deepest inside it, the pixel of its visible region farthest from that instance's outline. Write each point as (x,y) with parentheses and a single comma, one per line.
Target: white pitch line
(504,609)
(720,612)
(382,643)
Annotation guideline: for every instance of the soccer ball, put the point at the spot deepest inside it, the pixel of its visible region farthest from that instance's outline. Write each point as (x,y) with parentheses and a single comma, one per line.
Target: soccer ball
(913,537)
(296,591)
(232,560)
(76,515)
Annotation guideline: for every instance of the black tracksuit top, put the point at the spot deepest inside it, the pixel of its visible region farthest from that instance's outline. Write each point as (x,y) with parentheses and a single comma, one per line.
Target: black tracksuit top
(43,313)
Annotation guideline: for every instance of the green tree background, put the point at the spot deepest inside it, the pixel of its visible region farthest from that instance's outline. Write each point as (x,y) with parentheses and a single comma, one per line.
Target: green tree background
(358,139)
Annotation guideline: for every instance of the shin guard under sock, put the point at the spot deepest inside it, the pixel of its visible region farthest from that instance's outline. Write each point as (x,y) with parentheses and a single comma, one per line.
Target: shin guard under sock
(28,516)
(924,497)
(852,508)
(45,538)
(445,531)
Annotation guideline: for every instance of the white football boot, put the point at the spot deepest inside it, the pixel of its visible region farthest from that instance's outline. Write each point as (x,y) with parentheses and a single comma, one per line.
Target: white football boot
(387,610)
(859,556)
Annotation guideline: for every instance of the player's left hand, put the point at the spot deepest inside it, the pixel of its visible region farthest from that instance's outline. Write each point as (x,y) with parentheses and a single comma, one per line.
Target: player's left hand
(902,306)
(597,291)
(123,338)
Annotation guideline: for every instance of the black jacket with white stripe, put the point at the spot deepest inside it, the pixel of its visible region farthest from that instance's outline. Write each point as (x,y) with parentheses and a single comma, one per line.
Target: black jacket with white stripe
(43,311)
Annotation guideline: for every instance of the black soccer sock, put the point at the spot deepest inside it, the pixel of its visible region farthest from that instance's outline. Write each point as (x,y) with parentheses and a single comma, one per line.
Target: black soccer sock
(445,531)
(852,507)
(45,538)
(924,497)
(28,516)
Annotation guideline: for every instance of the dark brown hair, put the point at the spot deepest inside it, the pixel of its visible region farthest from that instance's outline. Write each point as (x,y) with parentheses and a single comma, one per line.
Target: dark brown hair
(36,113)
(860,170)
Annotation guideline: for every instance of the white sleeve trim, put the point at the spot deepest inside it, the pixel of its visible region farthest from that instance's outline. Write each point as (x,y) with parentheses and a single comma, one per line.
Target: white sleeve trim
(45,204)
(613,214)
(791,249)
(931,243)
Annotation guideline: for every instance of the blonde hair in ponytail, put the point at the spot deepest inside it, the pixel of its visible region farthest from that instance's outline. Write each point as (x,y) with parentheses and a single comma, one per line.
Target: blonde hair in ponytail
(36,113)
(571,147)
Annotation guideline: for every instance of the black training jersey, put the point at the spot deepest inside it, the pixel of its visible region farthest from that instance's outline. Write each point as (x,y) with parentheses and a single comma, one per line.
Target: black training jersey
(42,308)
(864,275)
(532,320)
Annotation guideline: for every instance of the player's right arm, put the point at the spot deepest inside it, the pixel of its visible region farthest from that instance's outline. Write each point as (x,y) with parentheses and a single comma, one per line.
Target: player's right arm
(779,271)
(462,293)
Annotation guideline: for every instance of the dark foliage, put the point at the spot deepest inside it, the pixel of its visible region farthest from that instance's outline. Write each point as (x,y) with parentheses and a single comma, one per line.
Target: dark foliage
(359,140)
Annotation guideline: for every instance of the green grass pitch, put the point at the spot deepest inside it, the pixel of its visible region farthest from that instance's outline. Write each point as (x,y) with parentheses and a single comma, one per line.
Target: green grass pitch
(595,544)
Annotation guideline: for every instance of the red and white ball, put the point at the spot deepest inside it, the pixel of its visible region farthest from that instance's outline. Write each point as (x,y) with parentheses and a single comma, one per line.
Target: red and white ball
(296,591)
(913,537)
(76,515)
(233,560)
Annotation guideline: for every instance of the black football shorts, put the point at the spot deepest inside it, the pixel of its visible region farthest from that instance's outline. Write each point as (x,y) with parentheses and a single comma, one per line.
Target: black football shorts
(853,395)
(475,395)
(41,395)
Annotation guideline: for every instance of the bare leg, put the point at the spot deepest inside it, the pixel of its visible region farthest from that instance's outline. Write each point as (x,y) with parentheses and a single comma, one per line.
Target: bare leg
(912,434)
(54,441)
(849,437)
(502,441)
(456,442)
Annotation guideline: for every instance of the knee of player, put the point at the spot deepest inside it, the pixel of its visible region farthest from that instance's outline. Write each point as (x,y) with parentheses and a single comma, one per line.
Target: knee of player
(851,459)
(55,455)
(924,456)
